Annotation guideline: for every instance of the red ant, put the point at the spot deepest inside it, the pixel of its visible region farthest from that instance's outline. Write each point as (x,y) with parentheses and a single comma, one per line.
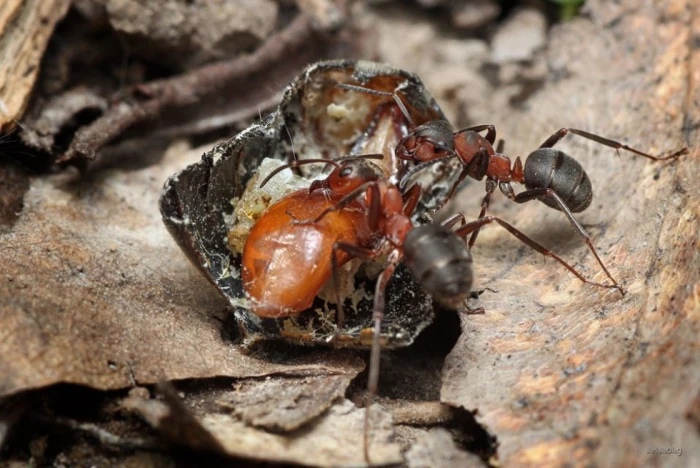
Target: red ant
(305,237)
(549,175)
(278,247)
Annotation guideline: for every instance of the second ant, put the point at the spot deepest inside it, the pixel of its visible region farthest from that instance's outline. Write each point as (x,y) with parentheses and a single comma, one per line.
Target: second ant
(549,175)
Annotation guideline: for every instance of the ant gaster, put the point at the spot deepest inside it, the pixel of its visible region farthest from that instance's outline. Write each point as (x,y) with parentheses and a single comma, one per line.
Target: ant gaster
(550,176)
(316,222)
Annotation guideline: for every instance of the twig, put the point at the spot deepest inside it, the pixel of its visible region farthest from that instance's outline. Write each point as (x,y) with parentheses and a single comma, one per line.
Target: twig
(147,101)
(57,113)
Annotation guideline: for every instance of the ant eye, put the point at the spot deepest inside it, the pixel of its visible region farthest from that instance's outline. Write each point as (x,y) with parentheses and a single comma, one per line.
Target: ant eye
(345,172)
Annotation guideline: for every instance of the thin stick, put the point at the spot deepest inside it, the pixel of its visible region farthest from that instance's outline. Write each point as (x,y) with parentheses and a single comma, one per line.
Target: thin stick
(147,101)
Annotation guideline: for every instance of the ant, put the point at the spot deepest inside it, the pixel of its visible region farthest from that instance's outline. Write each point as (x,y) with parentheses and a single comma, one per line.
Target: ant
(549,175)
(356,212)
(285,263)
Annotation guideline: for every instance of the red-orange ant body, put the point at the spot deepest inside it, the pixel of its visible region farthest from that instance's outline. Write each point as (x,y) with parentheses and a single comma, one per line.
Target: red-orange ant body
(305,237)
(285,264)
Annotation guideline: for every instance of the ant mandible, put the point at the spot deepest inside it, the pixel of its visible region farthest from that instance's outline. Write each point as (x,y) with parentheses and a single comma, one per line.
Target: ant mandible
(437,257)
(550,176)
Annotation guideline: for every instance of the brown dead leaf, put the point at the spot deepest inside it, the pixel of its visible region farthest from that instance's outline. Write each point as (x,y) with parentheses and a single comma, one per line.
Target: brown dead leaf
(282,406)
(330,437)
(334,440)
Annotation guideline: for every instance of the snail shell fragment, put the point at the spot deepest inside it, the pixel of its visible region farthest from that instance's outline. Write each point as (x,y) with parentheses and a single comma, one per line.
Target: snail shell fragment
(206,205)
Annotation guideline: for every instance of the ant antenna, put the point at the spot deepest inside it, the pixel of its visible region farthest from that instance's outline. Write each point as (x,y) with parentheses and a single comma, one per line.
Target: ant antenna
(291,142)
(375,92)
(377,156)
(420,167)
(335,162)
(296,163)
(7,135)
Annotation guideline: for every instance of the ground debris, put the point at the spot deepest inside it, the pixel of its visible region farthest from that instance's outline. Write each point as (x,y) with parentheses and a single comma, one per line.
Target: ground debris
(163,67)
(331,437)
(188,34)
(437,449)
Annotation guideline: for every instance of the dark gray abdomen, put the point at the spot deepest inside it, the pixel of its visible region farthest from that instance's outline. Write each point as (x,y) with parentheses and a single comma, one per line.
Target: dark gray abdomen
(440,262)
(551,168)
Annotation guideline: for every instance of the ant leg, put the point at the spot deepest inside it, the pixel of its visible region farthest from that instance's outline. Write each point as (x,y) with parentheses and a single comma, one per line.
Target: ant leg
(478,164)
(335,162)
(355,252)
(411,198)
(379,302)
(452,220)
(352,157)
(501,146)
(375,206)
(554,139)
(419,167)
(490,132)
(477,294)
(387,111)
(297,163)
(340,317)
(474,225)
(536,193)
(374,209)
(490,188)
(375,92)
(462,175)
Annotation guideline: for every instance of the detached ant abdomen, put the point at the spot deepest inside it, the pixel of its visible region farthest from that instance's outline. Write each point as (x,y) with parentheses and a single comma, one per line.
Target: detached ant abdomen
(548,168)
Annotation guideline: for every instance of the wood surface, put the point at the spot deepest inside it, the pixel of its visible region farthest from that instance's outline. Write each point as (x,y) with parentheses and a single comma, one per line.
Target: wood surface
(25,29)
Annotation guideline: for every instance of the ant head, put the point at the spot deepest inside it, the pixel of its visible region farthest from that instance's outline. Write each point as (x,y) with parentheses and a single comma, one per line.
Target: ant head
(431,140)
(351,174)
(437,132)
